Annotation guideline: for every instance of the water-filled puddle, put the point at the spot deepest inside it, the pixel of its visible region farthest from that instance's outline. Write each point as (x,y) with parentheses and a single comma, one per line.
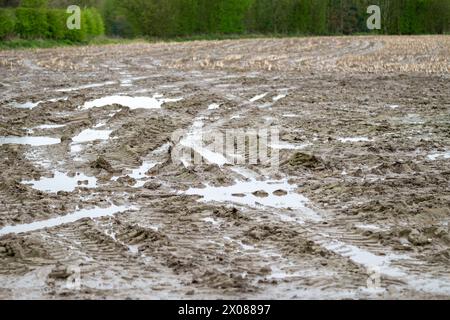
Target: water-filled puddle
(211,221)
(75,148)
(27,105)
(244,247)
(265,106)
(253,193)
(439,156)
(214,106)
(63,182)
(370,227)
(32,141)
(383,265)
(85,136)
(366,258)
(279,97)
(87,86)
(48,127)
(154,102)
(128,82)
(70,218)
(289,146)
(258,97)
(31,105)
(413,119)
(140,174)
(355,139)
(89,135)
(193,140)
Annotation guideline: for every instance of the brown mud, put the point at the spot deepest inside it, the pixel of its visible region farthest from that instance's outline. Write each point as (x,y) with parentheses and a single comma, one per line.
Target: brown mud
(365,138)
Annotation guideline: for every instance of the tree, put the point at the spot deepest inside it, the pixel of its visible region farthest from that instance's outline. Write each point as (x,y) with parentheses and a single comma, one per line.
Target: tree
(34,3)
(169,18)
(7,22)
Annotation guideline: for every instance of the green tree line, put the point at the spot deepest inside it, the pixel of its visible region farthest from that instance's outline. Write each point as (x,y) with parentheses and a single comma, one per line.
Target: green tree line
(170,18)
(34,19)
(166,18)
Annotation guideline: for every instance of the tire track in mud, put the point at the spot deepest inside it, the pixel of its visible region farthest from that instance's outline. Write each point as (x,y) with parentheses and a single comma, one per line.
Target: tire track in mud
(176,245)
(102,248)
(368,254)
(107,264)
(96,244)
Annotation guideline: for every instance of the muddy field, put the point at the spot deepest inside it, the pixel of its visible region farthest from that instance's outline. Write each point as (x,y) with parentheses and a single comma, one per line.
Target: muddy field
(96,203)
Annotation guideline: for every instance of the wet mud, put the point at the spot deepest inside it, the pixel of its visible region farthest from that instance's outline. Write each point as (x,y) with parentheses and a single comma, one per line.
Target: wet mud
(96,203)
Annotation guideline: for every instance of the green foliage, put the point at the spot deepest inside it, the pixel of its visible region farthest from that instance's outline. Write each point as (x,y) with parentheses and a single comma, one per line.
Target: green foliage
(56,20)
(79,35)
(116,21)
(9,3)
(89,21)
(99,29)
(186,17)
(7,22)
(33,20)
(93,22)
(168,18)
(31,23)
(190,18)
(34,3)
(231,16)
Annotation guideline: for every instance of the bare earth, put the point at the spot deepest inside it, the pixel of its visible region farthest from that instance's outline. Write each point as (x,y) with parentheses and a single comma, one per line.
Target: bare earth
(364,141)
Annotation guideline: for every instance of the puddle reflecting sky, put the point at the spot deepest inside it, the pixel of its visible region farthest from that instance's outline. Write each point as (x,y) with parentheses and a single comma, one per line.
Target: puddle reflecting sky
(32,141)
(355,139)
(89,135)
(258,97)
(246,193)
(62,182)
(87,86)
(439,156)
(154,102)
(70,218)
(26,105)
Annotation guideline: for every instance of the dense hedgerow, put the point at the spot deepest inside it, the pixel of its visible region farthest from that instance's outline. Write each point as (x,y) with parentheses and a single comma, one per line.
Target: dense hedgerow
(7,23)
(40,23)
(56,20)
(167,18)
(31,23)
(34,3)
(78,35)
(89,21)
(94,22)
(98,21)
